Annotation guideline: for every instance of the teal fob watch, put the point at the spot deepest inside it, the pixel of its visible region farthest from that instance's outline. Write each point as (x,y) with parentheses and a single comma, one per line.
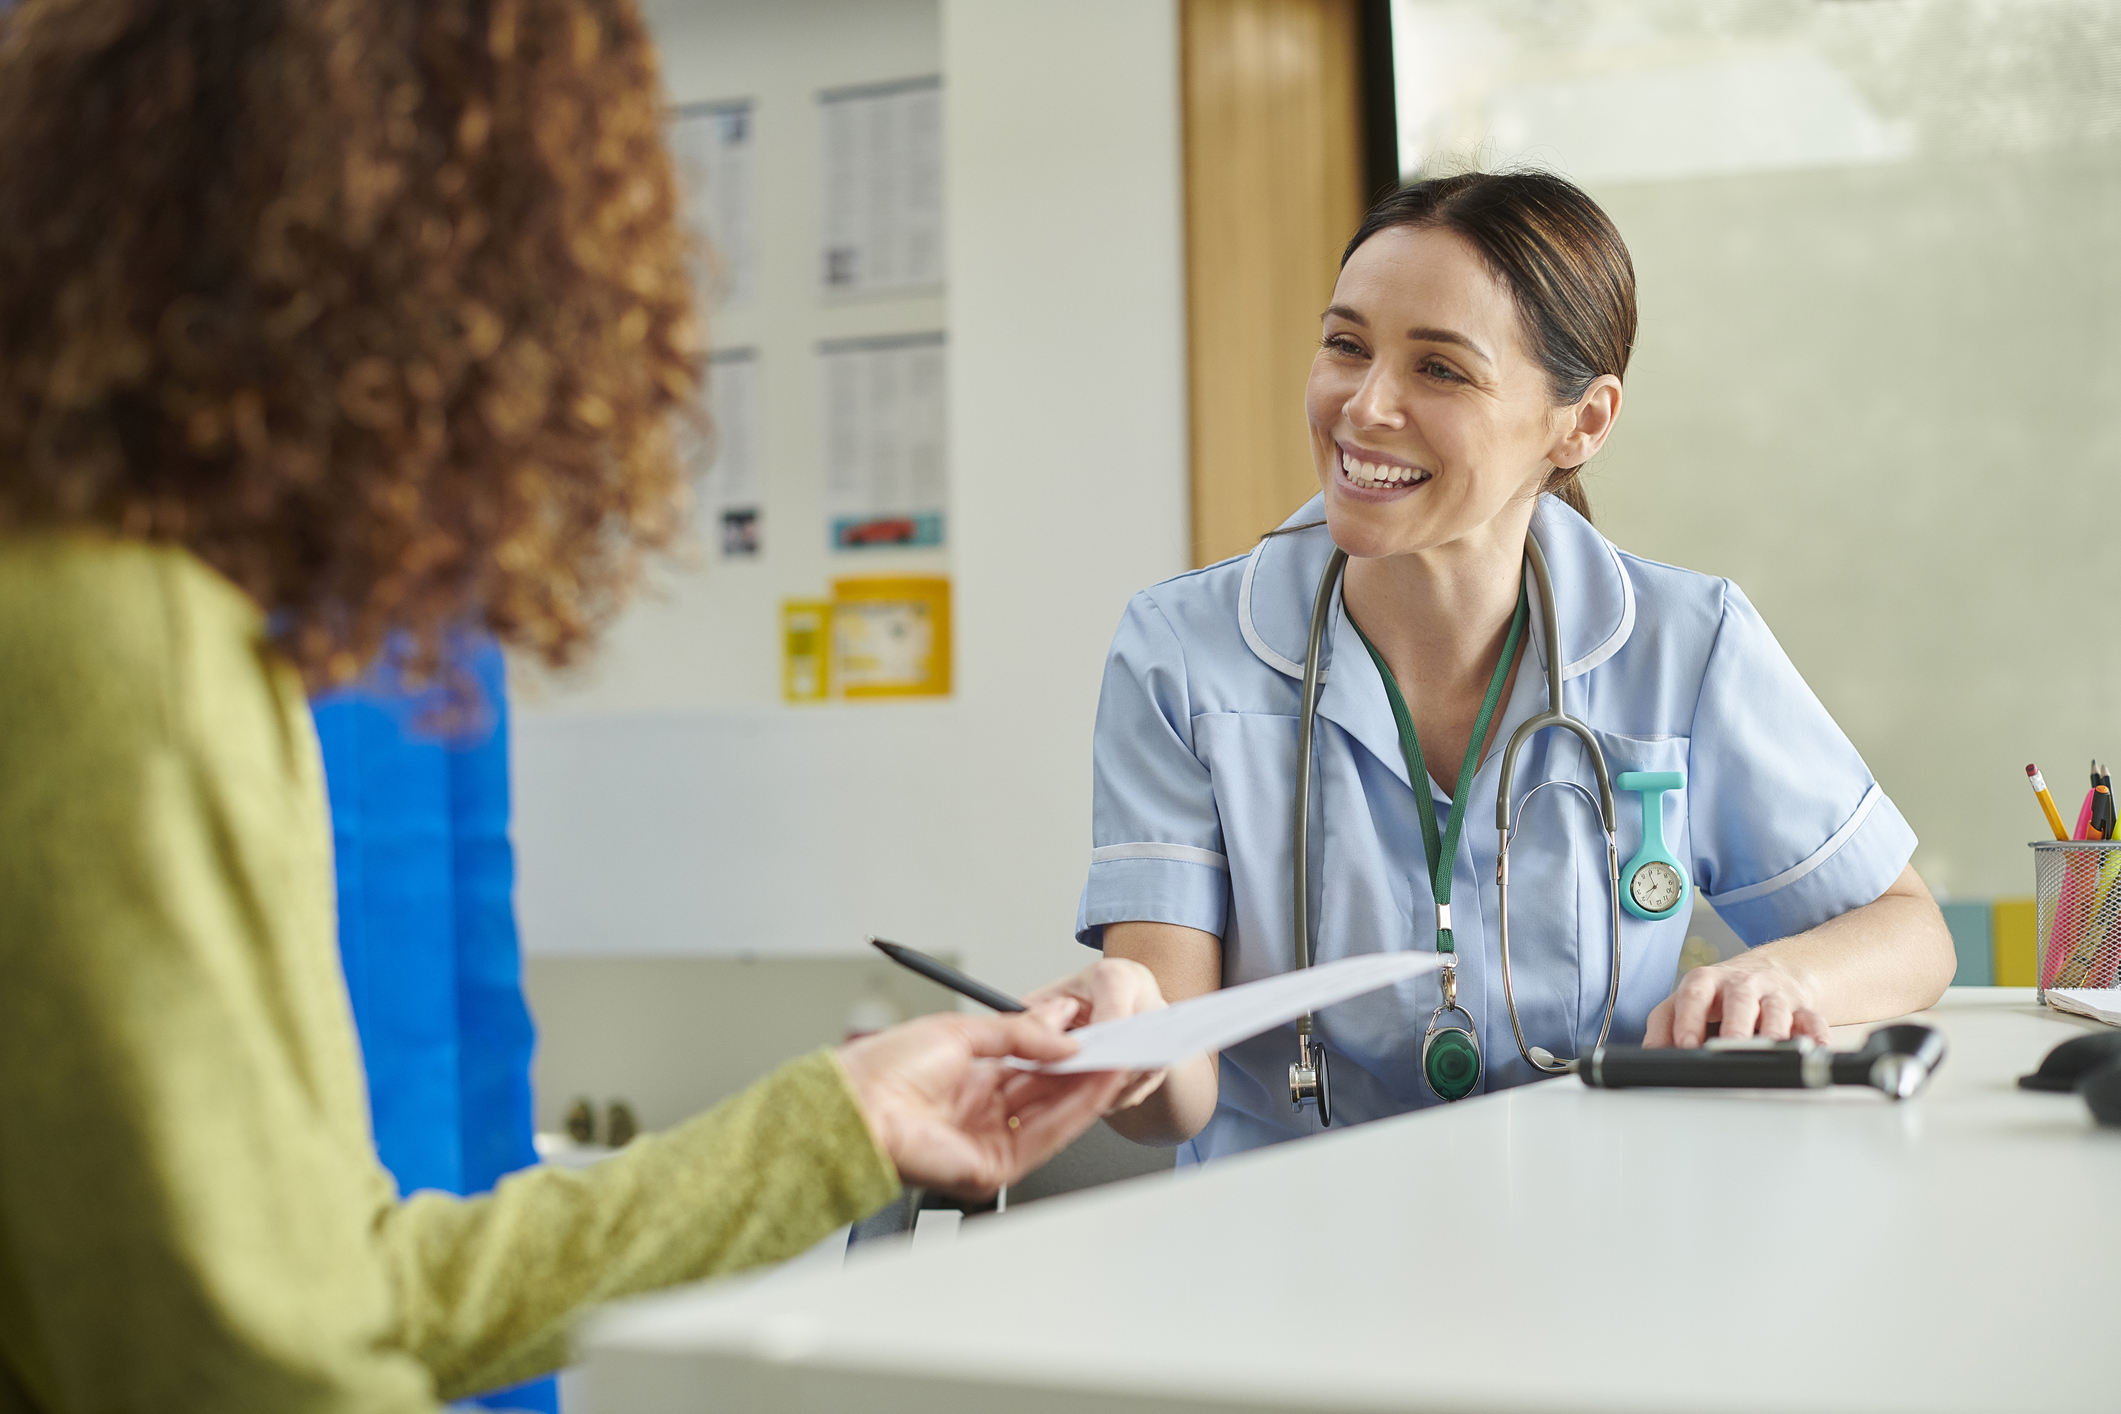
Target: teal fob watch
(1653,885)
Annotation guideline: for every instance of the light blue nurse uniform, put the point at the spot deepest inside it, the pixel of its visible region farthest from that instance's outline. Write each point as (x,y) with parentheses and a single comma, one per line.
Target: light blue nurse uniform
(1780,823)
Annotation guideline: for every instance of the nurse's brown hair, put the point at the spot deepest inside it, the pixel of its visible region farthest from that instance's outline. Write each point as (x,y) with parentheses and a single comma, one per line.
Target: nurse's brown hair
(1564,263)
(380,307)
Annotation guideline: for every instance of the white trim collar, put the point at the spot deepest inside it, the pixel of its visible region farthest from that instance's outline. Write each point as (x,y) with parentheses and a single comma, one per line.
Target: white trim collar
(1253,641)
(1281,579)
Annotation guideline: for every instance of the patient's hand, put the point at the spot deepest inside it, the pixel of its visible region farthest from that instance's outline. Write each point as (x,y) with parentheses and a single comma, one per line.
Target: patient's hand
(1106,991)
(952,1117)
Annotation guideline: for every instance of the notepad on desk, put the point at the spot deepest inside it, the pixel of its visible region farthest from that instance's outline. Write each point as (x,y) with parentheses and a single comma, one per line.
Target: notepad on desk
(2098,1003)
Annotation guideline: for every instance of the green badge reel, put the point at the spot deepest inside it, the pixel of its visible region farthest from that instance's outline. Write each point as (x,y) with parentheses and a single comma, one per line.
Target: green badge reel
(1654,884)
(1450,1055)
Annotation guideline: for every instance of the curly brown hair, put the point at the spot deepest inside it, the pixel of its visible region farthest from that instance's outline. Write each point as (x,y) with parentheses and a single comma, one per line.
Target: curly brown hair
(380,307)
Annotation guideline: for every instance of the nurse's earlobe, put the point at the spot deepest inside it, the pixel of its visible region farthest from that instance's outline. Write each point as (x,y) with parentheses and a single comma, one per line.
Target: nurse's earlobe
(1588,423)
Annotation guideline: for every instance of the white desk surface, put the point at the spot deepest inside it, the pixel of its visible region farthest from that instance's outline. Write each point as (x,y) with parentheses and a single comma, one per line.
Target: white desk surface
(1546,1248)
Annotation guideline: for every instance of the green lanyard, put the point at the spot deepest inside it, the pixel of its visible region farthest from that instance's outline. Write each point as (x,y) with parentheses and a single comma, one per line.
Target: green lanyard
(1442,851)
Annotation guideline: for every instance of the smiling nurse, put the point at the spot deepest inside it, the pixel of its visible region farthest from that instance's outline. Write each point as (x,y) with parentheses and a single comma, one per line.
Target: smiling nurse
(1470,364)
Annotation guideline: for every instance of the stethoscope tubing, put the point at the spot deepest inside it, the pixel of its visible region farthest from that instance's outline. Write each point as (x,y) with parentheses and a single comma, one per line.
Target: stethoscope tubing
(1539,1056)
(1554,716)
(1307,716)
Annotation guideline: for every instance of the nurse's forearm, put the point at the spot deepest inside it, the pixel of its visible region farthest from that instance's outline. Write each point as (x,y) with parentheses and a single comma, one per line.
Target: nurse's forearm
(1187,963)
(1177,1110)
(1890,957)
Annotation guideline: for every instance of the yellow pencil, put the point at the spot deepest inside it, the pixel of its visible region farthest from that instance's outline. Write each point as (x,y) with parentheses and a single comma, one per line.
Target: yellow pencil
(2047,803)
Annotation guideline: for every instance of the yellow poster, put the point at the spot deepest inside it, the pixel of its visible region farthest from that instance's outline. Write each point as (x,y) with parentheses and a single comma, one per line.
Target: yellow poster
(892,636)
(806,649)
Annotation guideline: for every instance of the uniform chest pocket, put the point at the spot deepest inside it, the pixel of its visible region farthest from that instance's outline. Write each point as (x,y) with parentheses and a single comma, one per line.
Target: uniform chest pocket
(1565,832)
(1563,759)
(1660,763)
(1560,842)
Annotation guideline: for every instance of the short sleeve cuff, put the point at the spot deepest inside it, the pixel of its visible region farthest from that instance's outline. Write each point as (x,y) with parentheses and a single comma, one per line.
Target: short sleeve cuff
(1853,868)
(1184,892)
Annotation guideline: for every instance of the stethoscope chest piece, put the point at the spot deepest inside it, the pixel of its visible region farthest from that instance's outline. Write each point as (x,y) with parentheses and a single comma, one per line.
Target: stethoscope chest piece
(1654,883)
(1311,1079)
(1450,1055)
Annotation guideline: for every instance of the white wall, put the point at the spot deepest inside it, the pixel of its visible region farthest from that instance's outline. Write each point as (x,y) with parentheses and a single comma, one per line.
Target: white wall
(662,817)
(707,633)
(1880,348)
(1882,400)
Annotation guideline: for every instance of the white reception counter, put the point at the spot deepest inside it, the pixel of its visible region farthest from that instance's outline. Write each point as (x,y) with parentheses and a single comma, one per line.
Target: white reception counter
(1547,1248)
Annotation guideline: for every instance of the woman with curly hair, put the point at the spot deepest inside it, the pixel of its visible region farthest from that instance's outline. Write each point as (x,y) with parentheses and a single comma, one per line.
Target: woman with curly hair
(327,325)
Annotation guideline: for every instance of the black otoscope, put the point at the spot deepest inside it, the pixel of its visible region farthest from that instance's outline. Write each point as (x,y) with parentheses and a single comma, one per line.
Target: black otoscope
(1898,1060)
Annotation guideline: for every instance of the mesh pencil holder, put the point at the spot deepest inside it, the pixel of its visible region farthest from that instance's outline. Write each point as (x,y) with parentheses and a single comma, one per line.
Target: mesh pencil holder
(2078,886)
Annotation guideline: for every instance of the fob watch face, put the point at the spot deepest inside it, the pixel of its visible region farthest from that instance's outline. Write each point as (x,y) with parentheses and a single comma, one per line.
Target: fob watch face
(1656,886)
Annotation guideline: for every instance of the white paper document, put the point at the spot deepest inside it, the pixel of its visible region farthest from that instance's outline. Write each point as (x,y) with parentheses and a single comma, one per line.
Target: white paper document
(883,186)
(710,145)
(725,467)
(1155,1039)
(2097,1003)
(886,436)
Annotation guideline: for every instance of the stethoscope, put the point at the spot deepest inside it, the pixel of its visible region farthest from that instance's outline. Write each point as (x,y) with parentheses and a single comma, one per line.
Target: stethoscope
(1451,1060)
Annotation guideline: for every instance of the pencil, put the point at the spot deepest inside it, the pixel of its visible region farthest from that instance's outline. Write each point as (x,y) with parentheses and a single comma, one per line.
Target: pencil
(2099,929)
(2047,803)
(2073,935)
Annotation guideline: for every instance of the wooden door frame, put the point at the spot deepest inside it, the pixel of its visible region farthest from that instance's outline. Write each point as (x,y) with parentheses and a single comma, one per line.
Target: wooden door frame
(1290,130)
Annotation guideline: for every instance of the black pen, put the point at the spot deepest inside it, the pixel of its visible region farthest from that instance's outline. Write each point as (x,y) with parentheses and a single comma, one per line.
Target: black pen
(948,976)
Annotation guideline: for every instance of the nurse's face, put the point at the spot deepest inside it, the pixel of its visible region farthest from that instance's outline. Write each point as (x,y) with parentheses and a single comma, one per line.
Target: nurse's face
(1430,423)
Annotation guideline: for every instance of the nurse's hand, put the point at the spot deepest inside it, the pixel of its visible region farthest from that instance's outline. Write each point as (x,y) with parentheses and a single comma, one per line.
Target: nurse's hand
(1106,991)
(1751,995)
(952,1117)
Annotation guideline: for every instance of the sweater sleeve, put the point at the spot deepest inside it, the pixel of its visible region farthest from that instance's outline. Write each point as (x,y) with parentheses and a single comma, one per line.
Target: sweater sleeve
(486,1287)
(191,1212)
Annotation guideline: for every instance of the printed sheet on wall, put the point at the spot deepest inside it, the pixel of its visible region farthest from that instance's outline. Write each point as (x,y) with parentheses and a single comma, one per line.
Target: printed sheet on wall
(886,472)
(883,187)
(725,466)
(710,144)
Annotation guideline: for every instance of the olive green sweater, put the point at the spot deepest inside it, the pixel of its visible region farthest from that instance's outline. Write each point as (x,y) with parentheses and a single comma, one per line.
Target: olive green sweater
(192,1216)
